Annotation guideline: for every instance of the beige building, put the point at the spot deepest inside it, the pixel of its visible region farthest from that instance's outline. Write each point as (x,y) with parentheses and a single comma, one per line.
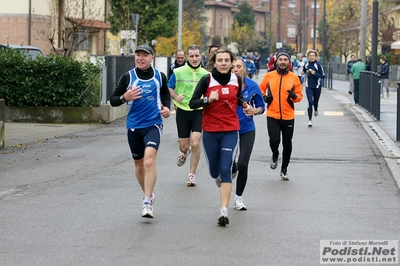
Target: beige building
(42,23)
(289,22)
(220,14)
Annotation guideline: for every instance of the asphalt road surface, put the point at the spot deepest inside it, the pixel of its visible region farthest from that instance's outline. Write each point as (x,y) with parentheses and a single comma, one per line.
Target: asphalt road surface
(74,200)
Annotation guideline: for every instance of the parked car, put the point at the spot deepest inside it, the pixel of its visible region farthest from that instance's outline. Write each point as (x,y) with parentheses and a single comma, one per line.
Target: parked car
(32,51)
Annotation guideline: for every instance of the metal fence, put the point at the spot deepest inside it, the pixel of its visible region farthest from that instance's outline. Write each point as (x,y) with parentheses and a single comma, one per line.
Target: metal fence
(369,93)
(328,80)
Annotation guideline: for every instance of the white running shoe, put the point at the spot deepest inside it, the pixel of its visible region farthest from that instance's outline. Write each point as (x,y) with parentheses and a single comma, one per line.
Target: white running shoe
(239,205)
(181,160)
(223,217)
(191,181)
(310,123)
(147,211)
(218,181)
(315,113)
(273,164)
(284,175)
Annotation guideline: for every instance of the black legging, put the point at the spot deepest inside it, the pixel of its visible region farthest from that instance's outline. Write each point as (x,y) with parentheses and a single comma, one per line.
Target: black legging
(246,143)
(275,127)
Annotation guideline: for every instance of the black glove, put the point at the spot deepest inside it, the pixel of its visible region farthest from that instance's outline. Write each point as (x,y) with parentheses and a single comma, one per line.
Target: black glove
(267,99)
(292,94)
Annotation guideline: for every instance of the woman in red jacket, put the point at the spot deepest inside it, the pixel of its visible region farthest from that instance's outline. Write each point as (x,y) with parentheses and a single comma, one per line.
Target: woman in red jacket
(281,88)
(219,93)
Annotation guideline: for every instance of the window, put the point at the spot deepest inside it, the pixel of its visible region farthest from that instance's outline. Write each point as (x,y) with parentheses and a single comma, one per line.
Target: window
(291,8)
(312,33)
(82,41)
(312,9)
(291,31)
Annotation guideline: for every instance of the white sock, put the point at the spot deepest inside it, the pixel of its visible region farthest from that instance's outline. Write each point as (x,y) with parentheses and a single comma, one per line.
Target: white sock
(148,200)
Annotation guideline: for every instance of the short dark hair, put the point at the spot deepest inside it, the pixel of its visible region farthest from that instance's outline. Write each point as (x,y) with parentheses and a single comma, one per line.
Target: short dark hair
(212,46)
(193,47)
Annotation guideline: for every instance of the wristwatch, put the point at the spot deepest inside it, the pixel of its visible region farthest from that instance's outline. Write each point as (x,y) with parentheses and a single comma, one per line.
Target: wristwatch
(122,99)
(205,100)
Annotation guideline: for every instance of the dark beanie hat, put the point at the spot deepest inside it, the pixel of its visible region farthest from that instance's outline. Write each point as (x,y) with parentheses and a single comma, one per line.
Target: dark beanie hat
(283,53)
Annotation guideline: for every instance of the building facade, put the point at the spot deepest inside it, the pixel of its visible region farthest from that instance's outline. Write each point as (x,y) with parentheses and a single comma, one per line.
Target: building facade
(49,24)
(289,22)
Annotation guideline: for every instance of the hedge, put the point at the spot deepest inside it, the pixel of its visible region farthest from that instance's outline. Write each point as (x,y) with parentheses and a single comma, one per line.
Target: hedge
(47,81)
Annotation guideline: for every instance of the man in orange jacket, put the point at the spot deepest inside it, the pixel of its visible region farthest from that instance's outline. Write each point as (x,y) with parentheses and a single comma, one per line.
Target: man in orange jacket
(281,88)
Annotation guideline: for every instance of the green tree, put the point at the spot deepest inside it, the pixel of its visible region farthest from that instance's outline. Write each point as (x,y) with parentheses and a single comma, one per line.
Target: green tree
(246,15)
(197,12)
(344,40)
(157,18)
(242,36)
(190,35)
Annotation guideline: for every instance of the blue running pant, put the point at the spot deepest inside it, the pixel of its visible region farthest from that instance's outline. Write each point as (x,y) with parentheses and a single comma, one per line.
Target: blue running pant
(220,150)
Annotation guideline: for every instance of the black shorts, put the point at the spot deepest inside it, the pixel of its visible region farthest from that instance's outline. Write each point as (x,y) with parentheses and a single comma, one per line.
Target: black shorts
(141,138)
(188,121)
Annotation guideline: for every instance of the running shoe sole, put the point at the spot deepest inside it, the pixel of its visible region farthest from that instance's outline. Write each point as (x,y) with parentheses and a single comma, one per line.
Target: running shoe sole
(240,208)
(223,220)
(147,212)
(284,178)
(191,184)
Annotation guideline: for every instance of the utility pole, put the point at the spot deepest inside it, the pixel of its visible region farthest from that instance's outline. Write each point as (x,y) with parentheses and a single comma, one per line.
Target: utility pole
(324,36)
(270,26)
(301,27)
(180,26)
(374,35)
(279,19)
(363,29)
(315,26)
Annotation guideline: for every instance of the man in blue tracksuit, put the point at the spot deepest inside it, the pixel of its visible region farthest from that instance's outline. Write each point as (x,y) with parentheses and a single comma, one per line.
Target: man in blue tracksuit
(250,67)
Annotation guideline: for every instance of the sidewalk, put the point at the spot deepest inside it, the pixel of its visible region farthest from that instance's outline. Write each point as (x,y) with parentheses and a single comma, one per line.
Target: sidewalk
(22,134)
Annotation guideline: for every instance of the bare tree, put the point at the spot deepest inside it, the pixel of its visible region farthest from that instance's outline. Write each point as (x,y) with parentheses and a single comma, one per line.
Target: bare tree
(70,25)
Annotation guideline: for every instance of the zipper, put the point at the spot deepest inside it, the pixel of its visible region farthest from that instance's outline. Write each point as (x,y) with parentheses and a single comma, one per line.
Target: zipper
(280,104)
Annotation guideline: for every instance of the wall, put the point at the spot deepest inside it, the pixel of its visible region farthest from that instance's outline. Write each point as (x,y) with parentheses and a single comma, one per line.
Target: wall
(104,113)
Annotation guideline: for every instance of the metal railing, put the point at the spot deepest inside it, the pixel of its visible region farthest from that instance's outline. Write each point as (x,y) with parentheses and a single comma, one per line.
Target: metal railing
(328,80)
(369,93)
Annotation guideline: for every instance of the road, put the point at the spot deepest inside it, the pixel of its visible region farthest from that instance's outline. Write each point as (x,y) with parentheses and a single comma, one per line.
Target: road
(73,199)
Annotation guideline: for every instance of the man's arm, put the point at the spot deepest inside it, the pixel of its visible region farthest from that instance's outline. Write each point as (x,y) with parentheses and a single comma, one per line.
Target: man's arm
(172,85)
(122,85)
(196,101)
(164,92)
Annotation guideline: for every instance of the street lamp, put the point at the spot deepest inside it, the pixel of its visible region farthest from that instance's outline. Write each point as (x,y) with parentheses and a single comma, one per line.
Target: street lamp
(135,19)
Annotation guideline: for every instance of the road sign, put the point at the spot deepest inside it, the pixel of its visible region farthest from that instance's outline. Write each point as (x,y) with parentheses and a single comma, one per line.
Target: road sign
(128,35)
(278,45)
